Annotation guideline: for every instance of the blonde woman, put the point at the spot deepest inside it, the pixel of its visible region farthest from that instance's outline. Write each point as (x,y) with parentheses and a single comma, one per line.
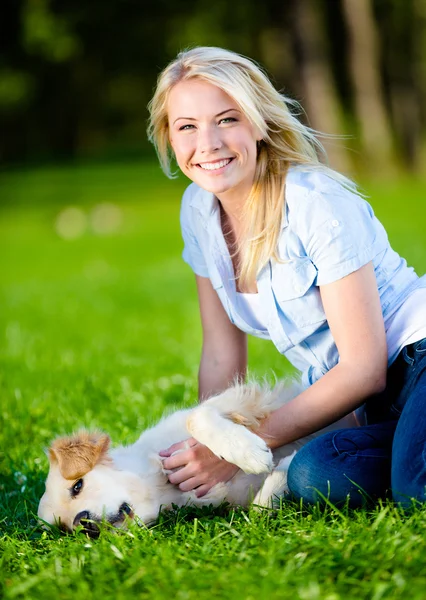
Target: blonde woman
(285,249)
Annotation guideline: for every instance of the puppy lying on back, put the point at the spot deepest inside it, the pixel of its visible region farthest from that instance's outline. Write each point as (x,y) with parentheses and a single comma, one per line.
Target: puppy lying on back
(88,482)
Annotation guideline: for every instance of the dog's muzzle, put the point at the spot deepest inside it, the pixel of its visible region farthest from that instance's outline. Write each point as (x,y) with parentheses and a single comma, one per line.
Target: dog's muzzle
(90,523)
(124,511)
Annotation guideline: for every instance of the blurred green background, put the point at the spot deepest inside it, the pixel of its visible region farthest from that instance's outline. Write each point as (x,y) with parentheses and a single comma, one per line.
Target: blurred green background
(76,76)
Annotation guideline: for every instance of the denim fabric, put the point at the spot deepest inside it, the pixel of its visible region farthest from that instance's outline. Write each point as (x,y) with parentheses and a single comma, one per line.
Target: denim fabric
(327,232)
(387,454)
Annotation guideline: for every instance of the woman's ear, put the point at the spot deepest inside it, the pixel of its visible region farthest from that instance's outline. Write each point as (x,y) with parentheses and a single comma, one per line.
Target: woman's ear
(260,139)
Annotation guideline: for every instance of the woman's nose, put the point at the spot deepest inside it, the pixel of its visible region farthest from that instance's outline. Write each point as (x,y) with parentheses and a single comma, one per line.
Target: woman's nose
(209,140)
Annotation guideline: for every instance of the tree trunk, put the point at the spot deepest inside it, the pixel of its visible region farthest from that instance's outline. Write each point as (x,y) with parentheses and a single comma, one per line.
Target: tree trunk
(318,87)
(370,109)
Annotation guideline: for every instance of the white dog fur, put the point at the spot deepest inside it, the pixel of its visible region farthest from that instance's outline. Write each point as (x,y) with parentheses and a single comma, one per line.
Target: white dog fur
(88,482)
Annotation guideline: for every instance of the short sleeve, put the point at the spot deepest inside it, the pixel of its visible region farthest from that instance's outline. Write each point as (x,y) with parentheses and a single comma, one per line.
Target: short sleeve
(339,232)
(192,253)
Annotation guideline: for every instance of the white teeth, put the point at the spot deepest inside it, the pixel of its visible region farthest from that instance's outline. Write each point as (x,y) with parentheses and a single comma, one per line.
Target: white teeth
(215,165)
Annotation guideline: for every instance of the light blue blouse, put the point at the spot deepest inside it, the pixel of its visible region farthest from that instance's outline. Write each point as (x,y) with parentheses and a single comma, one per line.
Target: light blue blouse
(327,233)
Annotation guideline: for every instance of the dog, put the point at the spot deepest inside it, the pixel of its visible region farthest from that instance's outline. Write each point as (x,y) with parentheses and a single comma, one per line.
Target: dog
(88,483)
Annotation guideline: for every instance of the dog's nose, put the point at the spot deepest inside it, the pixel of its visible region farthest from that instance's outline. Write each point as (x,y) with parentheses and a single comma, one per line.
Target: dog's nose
(89,528)
(84,514)
(126,509)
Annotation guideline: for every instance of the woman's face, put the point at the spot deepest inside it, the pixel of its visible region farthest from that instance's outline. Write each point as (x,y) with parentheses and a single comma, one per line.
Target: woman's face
(214,142)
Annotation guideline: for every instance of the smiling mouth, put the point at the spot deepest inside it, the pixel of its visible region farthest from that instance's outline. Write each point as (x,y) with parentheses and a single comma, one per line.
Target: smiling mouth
(215,166)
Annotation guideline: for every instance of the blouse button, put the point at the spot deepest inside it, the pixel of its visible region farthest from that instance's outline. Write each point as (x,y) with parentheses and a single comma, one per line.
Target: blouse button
(335,223)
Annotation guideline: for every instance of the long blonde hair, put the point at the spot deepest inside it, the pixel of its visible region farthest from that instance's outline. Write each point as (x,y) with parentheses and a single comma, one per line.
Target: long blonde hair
(285,141)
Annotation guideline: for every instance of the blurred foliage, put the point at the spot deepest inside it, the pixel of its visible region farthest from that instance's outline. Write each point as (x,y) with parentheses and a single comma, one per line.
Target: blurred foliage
(46,34)
(75,76)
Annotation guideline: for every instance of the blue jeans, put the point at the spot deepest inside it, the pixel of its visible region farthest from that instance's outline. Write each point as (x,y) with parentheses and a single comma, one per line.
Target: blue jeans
(386,456)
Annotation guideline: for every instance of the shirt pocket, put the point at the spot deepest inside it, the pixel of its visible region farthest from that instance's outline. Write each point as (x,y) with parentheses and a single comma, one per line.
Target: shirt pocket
(297,295)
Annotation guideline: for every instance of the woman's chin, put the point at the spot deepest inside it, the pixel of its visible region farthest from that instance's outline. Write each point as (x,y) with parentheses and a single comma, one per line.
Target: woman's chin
(215,185)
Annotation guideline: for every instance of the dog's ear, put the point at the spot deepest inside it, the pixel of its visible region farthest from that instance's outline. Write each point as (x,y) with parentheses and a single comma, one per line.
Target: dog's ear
(78,454)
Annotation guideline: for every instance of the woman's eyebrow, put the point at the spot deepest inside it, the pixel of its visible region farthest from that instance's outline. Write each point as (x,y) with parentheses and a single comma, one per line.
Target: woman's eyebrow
(226,111)
(218,115)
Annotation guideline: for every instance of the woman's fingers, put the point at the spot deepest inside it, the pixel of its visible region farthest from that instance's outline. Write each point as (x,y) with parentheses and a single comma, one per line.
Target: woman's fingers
(202,490)
(181,475)
(178,460)
(189,484)
(174,462)
(198,468)
(177,447)
(165,452)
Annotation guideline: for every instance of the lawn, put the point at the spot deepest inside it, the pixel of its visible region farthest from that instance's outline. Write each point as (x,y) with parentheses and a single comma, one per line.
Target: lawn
(100,328)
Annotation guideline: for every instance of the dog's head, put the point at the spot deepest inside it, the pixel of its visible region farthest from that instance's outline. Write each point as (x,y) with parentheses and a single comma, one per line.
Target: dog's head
(84,487)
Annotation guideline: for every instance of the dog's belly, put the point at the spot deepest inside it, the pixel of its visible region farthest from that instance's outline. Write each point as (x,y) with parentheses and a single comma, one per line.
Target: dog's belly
(243,487)
(168,431)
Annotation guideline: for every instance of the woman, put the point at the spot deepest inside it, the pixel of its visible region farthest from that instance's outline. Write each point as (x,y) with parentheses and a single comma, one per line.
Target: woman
(284,248)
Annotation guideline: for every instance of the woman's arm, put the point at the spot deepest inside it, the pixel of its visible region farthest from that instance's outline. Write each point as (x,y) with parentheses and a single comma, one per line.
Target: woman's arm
(224,350)
(223,359)
(353,310)
(352,307)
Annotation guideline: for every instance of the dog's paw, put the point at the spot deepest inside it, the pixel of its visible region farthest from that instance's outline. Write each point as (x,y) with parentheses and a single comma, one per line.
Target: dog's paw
(249,452)
(230,441)
(275,485)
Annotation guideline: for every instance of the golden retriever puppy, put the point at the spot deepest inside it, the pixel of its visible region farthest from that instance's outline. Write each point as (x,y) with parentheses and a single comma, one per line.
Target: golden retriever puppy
(88,482)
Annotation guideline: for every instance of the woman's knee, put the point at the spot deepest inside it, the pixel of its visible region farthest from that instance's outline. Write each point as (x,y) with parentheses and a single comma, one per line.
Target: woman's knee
(409,448)
(338,464)
(308,473)
(409,477)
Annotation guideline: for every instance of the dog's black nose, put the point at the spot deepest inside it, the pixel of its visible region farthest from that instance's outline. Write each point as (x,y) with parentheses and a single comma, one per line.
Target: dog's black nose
(90,528)
(84,514)
(125,509)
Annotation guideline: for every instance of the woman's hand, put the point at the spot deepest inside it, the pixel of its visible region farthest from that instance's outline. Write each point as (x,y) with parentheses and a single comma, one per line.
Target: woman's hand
(194,466)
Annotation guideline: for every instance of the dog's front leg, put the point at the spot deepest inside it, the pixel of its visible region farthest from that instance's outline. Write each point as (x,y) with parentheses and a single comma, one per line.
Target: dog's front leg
(230,441)
(275,485)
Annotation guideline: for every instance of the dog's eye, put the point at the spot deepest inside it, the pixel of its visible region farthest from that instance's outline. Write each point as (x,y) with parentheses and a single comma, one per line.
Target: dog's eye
(76,488)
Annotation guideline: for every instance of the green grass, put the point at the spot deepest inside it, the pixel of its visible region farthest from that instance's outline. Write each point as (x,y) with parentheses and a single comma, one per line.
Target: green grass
(103,331)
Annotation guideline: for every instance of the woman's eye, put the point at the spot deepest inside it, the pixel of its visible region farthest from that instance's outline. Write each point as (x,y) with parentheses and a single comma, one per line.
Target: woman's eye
(76,488)
(228,120)
(186,127)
